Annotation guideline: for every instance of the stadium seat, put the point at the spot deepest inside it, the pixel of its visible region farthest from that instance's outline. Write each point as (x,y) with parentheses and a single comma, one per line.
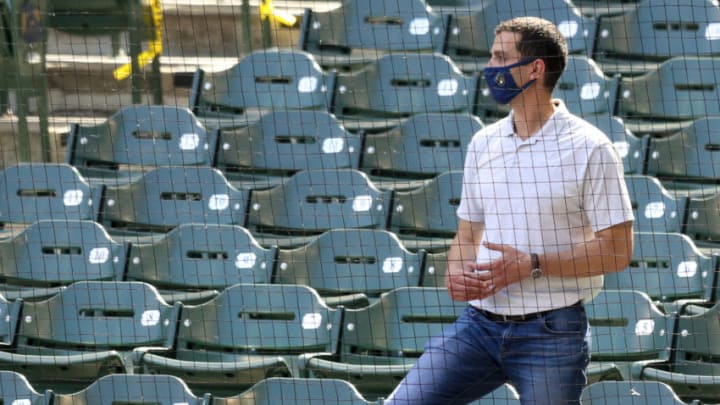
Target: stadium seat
(630,393)
(625,326)
(350,267)
(52,254)
(470,35)
(656,209)
(422,147)
(665,100)
(638,40)
(15,389)
(194,261)
(359,32)
(399,85)
(86,331)
(668,267)
(585,89)
(425,217)
(631,148)
(687,156)
(134,389)
(138,138)
(264,80)
(434,271)
(166,197)
(692,370)
(314,201)
(381,342)
(703,219)
(247,333)
(11,317)
(298,391)
(35,191)
(282,143)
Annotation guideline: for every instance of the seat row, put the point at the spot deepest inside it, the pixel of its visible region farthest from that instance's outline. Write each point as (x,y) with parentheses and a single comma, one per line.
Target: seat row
(171,390)
(251,332)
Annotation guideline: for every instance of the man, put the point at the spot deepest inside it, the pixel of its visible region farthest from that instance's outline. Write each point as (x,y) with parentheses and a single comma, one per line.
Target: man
(544,214)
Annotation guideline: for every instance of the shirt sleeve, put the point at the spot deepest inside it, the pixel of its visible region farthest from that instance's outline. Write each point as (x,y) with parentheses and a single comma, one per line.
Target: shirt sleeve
(606,201)
(471,207)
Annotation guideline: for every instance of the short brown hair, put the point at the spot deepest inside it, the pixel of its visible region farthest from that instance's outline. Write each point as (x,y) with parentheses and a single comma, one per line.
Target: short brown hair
(539,38)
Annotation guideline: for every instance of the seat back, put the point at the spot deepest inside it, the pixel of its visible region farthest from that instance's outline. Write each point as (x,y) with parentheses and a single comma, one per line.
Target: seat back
(632,149)
(202,256)
(681,88)
(140,137)
(314,201)
(257,318)
(35,191)
(51,253)
(400,85)
(423,146)
(404,25)
(342,261)
(429,210)
(655,209)
(667,267)
(625,325)
(659,30)
(11,311)
(268,79)
(629,393)
(134,389)
(98,315)
(15,389)
(399,323)
(585,89)
(689,155)
(703,218)
(169,196)
(284,142)
(297,391)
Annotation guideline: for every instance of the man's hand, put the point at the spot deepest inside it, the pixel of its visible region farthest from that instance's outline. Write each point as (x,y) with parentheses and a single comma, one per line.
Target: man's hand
(466,283)
(509,268)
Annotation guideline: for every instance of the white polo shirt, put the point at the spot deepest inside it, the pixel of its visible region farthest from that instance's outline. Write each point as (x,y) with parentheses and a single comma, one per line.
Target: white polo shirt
(542,195)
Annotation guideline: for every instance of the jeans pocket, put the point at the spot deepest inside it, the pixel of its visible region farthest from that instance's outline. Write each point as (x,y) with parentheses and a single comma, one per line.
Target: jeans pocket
(566,321)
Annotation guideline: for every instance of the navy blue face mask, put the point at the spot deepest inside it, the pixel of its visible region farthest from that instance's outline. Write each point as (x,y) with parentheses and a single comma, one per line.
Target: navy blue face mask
(501,83)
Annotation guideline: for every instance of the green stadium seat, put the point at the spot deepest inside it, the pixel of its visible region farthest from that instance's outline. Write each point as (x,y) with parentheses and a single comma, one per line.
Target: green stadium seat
(398,85)
(359,32)
(51,254)
(470,35)
(137,139)
(668,267)
(656,209)
(422,147)
(638,40)
(625,327)
(247,333)
(264,80)
(350,267)
(15,389)
(298,391)
(630,393)
(671,97)
(687,156)
(692,370)
(134,389)
(703,219)
(11,319)
(166,197)
(313,201)
(425,217)
(35,191)
(631,148)
(281,143)
(585,89)
(86,331)
(434,271)
(381,342)
(194,261)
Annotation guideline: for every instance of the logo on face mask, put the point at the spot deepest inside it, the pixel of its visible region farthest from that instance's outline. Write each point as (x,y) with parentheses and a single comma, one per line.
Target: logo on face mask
(501,83)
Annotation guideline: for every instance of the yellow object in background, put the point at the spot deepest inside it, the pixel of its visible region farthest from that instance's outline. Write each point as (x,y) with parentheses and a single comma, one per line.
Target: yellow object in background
(267,11)
(154,48)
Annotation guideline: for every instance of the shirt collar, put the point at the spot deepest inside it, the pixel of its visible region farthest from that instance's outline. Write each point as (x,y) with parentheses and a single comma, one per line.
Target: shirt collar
(508,129)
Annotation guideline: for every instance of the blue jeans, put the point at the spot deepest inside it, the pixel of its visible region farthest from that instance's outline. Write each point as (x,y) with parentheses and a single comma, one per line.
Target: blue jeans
(544,359)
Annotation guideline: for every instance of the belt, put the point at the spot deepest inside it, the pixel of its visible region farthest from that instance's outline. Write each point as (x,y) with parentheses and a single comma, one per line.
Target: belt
(519,318)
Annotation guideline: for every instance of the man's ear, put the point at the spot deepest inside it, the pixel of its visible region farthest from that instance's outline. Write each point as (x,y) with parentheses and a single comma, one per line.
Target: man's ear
(538,69)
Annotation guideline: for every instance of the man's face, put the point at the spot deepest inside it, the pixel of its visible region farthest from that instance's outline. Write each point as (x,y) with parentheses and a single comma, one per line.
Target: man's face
(504,52)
